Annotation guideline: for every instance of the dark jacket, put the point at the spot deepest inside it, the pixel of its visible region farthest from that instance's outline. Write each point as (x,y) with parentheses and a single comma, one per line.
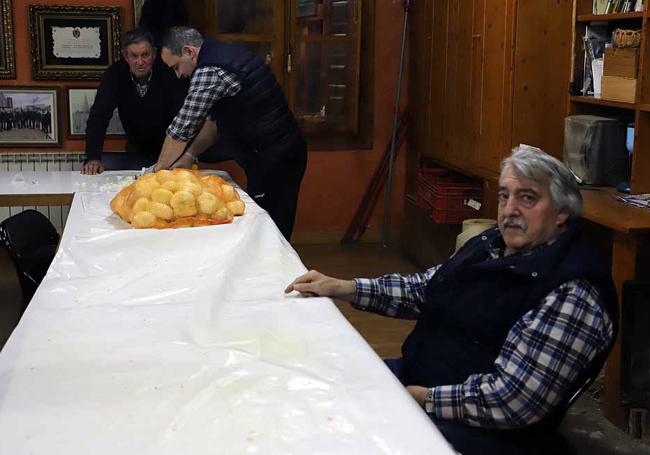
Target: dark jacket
(145,119)
(472,303)
(258,117)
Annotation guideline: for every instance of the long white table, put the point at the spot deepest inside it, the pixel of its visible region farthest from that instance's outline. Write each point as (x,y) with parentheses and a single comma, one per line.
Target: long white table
(182,342)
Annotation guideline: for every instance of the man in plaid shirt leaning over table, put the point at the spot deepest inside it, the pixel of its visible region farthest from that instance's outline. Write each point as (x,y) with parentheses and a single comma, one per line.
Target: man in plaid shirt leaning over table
(511,326)
(235,102)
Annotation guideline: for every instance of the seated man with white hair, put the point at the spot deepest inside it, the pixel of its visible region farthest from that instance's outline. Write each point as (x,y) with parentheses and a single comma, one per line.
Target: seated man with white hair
(511,326)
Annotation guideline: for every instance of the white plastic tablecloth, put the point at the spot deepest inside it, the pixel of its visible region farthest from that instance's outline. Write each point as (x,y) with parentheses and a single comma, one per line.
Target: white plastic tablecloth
(40,182)
(182,342)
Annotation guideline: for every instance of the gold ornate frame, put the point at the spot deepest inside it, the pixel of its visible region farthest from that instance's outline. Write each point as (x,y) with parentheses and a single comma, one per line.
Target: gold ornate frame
(45,64)
(7,56)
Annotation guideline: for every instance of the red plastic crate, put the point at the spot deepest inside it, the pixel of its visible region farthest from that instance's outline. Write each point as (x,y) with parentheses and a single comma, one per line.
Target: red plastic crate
(445,196)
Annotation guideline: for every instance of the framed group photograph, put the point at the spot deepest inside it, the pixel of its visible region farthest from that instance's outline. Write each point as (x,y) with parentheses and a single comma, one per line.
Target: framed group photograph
(29,117)
(73,42)
(80,100)
(7,60)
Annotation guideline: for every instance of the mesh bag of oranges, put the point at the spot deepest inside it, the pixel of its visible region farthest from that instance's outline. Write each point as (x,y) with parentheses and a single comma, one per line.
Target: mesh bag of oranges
(177,198)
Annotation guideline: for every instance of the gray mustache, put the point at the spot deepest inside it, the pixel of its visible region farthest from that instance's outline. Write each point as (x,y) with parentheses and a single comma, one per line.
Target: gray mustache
(515,222)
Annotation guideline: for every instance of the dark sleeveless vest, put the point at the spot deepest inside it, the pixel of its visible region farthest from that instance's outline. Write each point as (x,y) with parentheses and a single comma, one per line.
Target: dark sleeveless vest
(472,303)
(258,117)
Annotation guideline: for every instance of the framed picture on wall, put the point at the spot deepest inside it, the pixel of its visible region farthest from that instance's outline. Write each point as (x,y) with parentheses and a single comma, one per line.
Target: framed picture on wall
(80,100)
(7,60)
(29,117)
(73,42)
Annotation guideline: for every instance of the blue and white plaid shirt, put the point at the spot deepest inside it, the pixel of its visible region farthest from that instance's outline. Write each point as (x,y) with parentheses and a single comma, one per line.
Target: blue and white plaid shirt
(541,356)
(208,85)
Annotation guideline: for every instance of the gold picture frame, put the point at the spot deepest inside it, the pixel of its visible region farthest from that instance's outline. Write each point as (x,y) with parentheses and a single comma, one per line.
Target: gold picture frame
(7,56)
(73,42)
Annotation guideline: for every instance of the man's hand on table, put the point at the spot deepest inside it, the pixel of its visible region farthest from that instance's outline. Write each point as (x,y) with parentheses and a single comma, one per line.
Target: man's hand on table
(315,284)
(92,167)
(418,392)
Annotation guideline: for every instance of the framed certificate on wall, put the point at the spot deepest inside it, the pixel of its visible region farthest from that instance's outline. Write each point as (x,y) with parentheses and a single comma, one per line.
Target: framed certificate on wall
(73,42)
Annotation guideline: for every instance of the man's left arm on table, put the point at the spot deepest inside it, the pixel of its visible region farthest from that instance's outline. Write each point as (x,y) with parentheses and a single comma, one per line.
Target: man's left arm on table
(394,295)
(540,358)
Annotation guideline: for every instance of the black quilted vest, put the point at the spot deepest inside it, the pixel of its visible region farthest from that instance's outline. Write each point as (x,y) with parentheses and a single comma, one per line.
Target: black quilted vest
(472,303)
(258,117)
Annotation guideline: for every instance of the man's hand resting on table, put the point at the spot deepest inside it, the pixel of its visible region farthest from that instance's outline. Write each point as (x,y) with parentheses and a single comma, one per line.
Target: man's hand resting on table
(315,284)
(92,167)
(418,392)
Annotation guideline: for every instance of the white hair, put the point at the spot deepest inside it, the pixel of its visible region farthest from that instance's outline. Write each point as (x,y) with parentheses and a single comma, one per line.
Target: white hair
(532,163)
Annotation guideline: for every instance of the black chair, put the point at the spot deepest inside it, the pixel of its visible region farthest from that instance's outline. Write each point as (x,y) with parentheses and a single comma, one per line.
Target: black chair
(31,240)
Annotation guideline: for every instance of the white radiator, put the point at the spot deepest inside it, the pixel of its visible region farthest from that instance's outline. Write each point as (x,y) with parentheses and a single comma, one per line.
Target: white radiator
(16,162)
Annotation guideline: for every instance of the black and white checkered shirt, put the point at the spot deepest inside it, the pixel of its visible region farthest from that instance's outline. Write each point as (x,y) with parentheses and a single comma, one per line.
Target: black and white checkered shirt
(539,359)
(208,85)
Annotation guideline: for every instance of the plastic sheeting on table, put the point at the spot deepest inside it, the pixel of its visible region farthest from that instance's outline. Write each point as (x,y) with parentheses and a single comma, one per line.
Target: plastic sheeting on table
(182,342)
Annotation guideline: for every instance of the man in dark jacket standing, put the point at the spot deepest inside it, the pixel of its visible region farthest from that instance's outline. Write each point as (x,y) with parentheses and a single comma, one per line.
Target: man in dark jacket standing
(147,96)
(234,98)
(511,326)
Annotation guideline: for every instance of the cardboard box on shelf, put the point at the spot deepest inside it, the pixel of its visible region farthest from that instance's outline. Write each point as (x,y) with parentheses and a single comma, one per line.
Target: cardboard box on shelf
(617,88)
(621,62)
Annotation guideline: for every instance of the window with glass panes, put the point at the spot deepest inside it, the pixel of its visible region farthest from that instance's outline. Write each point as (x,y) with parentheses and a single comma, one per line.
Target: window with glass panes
(314,48)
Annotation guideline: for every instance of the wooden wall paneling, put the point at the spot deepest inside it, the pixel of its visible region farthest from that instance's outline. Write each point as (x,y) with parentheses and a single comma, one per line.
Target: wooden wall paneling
(557,42)
(437,121)
(496,86)
(467,67)
(459,82)
(542,68)
(530,84)
(478,73)
(450,124)
(490,204)
(419,87)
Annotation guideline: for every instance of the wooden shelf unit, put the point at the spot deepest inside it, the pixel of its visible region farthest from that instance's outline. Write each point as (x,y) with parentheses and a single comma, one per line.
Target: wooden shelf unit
(601,102)
(630,112)
(629,225)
